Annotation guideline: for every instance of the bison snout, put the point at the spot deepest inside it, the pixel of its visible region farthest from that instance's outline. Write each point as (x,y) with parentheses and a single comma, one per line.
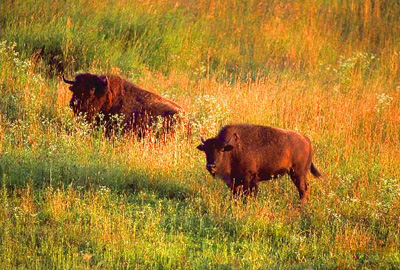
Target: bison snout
(211,168)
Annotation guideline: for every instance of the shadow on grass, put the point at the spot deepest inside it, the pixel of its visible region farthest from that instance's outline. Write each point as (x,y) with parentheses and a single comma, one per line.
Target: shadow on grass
(17,172)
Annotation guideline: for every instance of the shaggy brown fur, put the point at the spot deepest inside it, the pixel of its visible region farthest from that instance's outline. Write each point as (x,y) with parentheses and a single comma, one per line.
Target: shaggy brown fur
(243,155)
(110,95)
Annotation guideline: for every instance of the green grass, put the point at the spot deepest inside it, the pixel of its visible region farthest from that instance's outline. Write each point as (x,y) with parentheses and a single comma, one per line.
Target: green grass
(72,198)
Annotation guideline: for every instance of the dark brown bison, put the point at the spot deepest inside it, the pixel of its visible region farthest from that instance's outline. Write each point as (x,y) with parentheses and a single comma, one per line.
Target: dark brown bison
(111,95)
(243,155)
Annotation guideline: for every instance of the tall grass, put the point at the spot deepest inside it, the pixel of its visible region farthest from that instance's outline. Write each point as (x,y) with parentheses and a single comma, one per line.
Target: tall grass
(72,198)
(205,37)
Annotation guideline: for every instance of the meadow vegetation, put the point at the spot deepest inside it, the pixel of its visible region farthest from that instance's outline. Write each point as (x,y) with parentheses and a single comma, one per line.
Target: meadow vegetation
(72,198)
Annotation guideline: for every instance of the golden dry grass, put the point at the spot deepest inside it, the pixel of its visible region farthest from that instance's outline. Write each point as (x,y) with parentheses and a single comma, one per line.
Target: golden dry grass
(71,198)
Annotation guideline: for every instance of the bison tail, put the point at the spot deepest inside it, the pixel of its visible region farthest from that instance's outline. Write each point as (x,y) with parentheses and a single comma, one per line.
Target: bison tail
(314,171)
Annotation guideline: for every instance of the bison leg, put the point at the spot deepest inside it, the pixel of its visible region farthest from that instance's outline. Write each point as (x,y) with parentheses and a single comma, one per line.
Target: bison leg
(237,190)
(254,189)
(250,184)
(235,186)
(246,186)
(300,180)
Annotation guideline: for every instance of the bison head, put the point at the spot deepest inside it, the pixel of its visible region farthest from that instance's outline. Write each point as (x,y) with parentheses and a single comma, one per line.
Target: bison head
(214,149)
(88,93)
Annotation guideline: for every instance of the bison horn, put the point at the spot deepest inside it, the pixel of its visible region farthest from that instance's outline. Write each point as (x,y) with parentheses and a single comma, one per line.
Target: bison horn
(103,81)
(202,140)
(67,81)
(234,135)
(226,142)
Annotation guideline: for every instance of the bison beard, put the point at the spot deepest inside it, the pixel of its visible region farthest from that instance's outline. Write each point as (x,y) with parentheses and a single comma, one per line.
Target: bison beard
(110,95)
(244,155)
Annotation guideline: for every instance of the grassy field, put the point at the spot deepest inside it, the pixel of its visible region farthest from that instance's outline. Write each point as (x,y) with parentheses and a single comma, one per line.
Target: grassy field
(71,198)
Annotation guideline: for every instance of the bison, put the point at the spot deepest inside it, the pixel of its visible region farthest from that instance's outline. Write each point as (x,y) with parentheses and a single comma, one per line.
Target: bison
(242,155)
(112,95)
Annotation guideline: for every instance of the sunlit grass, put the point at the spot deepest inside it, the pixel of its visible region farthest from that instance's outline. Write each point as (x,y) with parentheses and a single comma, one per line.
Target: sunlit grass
(73,198)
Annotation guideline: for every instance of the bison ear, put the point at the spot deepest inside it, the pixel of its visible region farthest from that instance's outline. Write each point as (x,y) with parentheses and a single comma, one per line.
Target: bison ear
(100,84)
(227,148)
(200,147)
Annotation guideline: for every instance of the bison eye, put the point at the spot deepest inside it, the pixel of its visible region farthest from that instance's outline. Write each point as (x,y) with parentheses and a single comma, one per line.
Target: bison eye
(227,148)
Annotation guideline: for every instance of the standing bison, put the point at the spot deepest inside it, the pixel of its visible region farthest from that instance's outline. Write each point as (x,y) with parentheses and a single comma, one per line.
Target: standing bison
(111,95)
(243,155)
